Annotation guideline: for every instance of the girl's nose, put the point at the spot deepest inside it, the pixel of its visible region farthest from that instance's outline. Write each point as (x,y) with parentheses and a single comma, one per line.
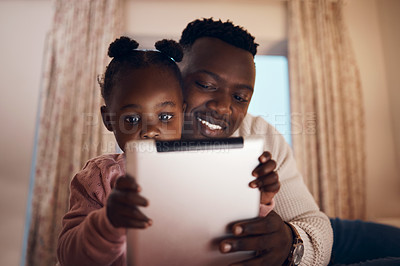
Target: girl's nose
(151,132)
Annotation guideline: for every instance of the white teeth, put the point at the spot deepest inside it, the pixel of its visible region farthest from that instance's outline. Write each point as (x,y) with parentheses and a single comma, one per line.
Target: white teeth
(208,124)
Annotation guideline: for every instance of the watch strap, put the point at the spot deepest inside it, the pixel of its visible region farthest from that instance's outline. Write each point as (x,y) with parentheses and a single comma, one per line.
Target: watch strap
(297,241)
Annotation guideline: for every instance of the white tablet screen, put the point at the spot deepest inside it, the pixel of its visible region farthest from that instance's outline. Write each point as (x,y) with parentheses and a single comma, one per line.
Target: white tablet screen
(195,189)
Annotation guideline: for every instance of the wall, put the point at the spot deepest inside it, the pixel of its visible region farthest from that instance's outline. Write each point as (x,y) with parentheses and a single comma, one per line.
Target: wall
(23,26)
(376,52)
(148,19)
(388,17)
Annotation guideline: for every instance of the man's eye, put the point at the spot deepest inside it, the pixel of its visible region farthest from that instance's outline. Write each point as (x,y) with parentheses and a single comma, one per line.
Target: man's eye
(132,119)
(239,99)
(165,117)
(203,86)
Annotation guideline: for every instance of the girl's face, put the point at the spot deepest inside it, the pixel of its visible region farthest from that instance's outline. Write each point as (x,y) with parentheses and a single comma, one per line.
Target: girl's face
(145,103)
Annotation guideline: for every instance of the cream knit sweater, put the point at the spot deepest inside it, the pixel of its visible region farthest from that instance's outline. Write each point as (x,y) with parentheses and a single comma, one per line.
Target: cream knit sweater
(294,203)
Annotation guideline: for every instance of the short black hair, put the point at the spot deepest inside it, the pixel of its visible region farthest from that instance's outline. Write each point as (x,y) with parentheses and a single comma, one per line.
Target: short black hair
(225,31)
(125,56)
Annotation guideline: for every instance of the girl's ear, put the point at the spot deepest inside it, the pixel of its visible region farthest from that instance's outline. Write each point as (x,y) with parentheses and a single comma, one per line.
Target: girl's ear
(184,107)
(107,118)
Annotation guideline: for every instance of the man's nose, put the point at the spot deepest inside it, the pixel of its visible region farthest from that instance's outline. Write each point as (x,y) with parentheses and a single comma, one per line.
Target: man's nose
(150,132)
(221,103)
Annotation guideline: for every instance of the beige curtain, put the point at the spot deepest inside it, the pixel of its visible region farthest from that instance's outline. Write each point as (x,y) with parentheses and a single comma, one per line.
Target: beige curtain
(326,102)
(70,130)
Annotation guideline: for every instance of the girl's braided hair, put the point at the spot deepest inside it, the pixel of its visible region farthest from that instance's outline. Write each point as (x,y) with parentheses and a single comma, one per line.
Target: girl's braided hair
(125,56)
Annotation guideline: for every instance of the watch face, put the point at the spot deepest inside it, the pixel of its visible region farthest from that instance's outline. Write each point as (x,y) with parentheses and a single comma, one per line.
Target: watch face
(298,254)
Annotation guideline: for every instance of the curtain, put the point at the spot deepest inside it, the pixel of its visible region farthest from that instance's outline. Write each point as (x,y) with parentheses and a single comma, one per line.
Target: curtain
(326,103)
(70,130)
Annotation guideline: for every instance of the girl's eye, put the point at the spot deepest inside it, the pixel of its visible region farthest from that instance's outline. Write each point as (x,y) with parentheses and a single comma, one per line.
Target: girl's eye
(203,86)
(165,117)
(132,119)
(239,99)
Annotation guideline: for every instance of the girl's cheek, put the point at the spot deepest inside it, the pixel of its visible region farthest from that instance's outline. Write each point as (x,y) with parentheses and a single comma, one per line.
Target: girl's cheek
(128,129)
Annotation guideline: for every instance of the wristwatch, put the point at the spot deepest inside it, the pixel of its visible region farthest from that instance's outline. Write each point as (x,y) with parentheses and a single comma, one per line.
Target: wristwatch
(297,251)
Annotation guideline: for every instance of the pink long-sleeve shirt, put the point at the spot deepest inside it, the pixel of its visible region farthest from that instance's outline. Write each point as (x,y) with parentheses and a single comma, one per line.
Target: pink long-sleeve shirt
(88,237)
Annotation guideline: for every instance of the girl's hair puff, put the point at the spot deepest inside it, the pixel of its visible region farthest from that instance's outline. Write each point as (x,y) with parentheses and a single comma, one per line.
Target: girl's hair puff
(125,57)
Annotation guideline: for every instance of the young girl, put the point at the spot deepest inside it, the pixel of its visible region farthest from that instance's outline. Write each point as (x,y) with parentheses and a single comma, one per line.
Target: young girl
(143,96)
(143,99)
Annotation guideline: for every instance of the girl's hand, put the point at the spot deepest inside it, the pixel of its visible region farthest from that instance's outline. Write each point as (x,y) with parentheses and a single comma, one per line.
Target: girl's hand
(122,204)
(267,179)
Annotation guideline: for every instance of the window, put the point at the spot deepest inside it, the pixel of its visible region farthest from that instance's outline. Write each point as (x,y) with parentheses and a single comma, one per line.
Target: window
(271,99)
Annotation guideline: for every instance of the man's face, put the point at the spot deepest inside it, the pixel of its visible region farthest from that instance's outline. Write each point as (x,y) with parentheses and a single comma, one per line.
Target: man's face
(218,85)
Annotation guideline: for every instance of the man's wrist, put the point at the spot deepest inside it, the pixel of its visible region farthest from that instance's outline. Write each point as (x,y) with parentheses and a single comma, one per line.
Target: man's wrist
(297,248)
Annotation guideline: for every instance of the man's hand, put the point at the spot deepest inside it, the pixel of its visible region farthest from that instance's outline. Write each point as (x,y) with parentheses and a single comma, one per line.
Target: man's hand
(267,179)
(122,204)
(269,236)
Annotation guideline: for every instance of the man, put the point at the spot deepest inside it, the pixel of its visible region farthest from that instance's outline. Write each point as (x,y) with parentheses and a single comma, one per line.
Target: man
(219,74)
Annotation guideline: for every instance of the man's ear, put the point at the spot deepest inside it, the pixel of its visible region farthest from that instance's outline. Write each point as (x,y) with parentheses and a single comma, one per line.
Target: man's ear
(107,119)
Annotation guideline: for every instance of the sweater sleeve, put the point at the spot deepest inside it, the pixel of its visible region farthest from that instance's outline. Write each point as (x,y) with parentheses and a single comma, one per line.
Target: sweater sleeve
(87,237)
(294,203)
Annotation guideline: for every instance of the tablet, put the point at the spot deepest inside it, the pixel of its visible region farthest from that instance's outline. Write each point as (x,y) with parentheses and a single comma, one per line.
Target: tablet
(195,189)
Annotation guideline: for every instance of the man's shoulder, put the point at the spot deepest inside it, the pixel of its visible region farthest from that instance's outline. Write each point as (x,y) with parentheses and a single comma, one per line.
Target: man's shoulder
(274,142)
(252,125)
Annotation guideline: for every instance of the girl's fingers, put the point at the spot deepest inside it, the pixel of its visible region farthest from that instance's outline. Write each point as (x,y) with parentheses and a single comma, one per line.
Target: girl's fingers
(130,213)
(266,197)
(274,188)
(266,156)
(128,198)
(137,224)
(264,168)
(124,216)
(130,223)
(265,180)
(127,183)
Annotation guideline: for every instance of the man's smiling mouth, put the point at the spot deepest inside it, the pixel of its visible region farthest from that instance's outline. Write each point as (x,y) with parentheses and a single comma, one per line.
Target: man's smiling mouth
(209,125)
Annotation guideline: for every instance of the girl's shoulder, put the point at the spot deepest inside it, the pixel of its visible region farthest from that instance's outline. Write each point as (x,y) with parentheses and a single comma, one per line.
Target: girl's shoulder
(105,164)
(100,171)
(97,178)
(107,160)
